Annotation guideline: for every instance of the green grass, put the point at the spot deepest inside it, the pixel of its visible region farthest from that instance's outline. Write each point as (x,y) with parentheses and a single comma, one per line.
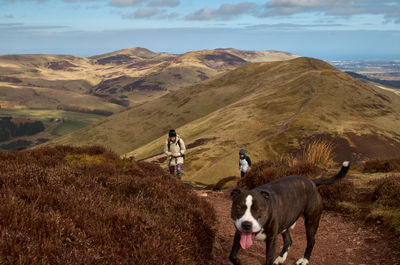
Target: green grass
(390,216)
(73,121)
(46,114)
(68,127)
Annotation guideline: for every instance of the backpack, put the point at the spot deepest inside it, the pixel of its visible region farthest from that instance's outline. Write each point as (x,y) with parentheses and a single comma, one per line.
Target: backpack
(179,143)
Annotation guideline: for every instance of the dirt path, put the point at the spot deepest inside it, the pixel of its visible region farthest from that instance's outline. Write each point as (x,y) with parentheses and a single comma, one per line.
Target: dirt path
(338,241)
(285,125)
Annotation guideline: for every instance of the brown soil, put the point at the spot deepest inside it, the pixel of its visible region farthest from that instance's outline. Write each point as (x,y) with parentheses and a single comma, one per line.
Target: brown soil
(339,240)
(365,147)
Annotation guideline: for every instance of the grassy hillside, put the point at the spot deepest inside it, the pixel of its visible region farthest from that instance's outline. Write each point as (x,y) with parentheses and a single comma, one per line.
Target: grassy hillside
(144,70)
(283,106)
(107,83)
(68,205)
(267,108)
(130,75)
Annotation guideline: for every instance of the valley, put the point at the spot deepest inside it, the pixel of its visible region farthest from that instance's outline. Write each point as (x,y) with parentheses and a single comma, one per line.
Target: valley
(82,91)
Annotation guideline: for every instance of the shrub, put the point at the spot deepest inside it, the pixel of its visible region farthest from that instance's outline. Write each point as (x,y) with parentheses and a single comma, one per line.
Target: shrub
(67,205)
(387,191)
(10,129)
(84,110)
(16,145)
(269,170)
(319,153)
(338,192)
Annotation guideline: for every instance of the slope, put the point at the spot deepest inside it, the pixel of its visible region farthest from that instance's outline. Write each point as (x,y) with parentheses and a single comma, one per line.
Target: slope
(124,77)
(277,108)
(143,70)
(108,83)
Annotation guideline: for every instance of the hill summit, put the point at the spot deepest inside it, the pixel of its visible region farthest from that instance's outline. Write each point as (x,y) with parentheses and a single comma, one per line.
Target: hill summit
(268,108)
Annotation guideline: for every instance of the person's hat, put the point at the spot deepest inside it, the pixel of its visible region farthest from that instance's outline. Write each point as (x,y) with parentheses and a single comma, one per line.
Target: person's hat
(242,152)
(172,133)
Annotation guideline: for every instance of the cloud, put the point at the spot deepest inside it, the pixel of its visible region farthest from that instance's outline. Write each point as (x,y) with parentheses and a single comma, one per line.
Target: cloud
(125,3)
(151,13)
(389,9)
(24,27)
(224,12)
(15,1)
(291,26)
(151,3)
(143,13)
(5,25)
(8,16)
(165,3)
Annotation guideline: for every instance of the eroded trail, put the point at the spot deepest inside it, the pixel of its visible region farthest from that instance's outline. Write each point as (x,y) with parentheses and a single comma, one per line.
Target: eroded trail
(338,241)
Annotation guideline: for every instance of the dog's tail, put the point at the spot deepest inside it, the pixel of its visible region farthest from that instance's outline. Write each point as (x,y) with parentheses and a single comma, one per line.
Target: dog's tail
(339,176)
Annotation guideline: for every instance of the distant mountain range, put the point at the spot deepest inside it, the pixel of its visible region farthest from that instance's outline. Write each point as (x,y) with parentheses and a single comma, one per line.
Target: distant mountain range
(115,77)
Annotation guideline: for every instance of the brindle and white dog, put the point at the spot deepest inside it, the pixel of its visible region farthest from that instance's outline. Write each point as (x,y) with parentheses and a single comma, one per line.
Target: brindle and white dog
(272,209)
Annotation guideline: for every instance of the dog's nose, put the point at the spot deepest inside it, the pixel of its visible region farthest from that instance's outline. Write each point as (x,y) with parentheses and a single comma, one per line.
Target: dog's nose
(247,226)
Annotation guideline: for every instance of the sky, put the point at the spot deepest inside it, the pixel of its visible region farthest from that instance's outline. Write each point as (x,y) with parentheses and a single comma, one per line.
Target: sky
(325,29)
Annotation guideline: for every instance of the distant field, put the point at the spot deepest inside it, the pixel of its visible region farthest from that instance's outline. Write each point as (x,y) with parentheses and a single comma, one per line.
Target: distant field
(57,123)
(47,114)
(386,71)
(68,127)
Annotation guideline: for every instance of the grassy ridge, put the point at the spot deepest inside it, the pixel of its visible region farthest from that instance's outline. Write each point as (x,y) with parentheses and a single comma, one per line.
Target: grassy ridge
(68,205)
(273,109)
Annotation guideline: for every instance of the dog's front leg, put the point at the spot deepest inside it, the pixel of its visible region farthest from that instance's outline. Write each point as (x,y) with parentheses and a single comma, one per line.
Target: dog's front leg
(235,248)
(270,244)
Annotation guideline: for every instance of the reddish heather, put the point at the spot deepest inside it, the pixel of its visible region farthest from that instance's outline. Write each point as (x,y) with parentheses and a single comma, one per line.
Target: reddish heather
(67,205)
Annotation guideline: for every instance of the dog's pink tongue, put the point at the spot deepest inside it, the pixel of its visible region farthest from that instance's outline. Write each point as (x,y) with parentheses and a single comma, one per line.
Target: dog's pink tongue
(246,240)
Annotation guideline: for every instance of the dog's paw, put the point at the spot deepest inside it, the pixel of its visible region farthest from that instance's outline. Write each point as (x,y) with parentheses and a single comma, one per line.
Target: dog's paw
(302,261)
(281,260)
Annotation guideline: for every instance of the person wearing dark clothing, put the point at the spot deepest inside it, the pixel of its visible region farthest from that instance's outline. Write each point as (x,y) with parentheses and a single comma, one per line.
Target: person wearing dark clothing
(244,163)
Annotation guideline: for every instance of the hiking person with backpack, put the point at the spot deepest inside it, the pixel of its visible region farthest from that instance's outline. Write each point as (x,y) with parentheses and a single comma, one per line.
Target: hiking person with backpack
(244,163)
(175,149)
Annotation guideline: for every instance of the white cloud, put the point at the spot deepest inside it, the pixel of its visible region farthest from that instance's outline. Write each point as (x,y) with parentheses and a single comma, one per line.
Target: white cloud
(389,9)
(144,13)
(125,3)
(166,3)
(151,3)
(151,13)
(224,12)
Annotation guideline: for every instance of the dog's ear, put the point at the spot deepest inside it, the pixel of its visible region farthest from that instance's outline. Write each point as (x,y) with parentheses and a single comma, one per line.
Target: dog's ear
(265,194)
(236,192)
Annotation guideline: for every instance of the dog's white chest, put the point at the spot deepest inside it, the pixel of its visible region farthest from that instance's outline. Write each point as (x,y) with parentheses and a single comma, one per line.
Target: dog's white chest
(260,236)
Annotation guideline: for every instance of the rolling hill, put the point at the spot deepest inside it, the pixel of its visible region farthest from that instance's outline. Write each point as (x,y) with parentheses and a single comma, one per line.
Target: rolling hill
(132,75)
(268,108)
(65,85)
